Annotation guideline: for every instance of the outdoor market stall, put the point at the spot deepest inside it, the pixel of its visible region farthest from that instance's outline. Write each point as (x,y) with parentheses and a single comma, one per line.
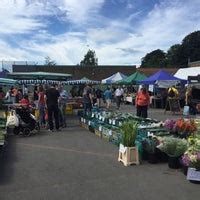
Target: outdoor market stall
(114,78)
(133,79)
(76,101)
(149,139)
(4,82)
(161,79)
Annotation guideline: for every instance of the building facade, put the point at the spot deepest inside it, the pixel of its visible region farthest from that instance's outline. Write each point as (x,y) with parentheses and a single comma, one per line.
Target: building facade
(94,73)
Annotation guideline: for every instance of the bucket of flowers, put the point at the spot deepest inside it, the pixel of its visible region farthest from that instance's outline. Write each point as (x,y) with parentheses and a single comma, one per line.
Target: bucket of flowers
(191,159)
(185,127)
(169,124)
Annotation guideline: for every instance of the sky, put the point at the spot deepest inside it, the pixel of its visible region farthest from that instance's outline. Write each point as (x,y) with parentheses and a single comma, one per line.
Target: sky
(120,31)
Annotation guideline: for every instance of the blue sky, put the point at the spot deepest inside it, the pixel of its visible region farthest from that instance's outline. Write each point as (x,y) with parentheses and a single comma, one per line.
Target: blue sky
(120,31)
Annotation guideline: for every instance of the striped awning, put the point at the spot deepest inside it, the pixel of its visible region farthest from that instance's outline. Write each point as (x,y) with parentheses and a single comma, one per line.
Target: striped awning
(79,82)
(30,82)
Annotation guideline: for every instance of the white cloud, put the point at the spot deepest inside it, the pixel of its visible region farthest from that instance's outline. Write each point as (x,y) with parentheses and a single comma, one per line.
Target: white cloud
(79,12)
(166,24)
(20,17)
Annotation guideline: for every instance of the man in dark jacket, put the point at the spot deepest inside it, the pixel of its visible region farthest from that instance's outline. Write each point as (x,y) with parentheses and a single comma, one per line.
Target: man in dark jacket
(52,96)
(87,99)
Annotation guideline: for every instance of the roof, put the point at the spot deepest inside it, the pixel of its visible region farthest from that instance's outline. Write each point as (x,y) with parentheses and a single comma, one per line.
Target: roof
(183,73)
(39,75)
(133,78)
(160,76)
(114,78)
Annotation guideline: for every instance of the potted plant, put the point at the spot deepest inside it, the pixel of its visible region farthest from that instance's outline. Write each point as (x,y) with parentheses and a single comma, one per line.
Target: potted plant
(128,152)
(149,145)
(174,148)
(191,159)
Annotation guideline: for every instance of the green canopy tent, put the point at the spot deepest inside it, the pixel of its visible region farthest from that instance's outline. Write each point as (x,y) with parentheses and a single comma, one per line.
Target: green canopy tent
(132,79)
(7,81)
(39,76)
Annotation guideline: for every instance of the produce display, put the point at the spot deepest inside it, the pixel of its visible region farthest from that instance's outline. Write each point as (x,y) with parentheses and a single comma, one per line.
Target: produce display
(174,141)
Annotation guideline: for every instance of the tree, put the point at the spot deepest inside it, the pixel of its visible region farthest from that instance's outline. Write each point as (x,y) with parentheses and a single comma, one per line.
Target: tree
(175,55)
(49,62)
(89,59)
(156,58)
(191,47)
(188,51)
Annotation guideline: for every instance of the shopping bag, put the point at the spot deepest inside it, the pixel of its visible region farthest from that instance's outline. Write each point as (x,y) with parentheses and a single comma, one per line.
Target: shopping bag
(186,110)
(12,120)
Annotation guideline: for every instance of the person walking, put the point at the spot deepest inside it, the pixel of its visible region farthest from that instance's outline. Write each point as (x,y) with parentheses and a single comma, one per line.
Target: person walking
(142,102)
(52,95)
(108,97)
(62,106)
(41,106)
(173,100)
(98,96)
(35,96)
(118,96)
(87,99)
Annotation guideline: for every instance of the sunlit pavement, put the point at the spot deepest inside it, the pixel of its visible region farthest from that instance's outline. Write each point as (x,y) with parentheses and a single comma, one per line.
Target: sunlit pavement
(75,164)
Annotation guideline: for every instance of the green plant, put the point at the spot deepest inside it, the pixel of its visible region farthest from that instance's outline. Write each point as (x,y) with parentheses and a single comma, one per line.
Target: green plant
(129,133)
(173,147)
(149,144)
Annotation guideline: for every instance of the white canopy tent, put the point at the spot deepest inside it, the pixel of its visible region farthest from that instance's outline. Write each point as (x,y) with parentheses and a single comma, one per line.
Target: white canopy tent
(183,73)
(114,78)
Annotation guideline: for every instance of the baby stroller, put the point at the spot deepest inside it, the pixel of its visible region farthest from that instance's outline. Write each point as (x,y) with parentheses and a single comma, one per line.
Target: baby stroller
(27,122)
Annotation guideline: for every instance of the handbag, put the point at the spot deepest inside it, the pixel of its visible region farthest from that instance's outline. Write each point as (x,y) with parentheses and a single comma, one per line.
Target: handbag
(12,120)
(186,110)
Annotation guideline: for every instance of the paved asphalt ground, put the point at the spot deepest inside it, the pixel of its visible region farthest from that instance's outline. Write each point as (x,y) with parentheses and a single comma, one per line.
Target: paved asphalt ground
(76,165)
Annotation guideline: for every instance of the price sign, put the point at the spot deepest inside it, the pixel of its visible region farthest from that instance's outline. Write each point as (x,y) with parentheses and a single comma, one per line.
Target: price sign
(193,174)
(100,128)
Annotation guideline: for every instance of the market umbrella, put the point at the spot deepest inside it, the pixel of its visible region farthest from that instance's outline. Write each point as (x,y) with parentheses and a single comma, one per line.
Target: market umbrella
(133,78)
(114,78)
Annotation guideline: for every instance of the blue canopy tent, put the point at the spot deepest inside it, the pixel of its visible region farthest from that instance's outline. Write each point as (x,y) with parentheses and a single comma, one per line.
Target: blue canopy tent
(162,77)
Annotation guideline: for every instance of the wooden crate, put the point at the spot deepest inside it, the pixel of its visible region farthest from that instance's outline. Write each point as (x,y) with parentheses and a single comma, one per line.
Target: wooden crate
(98,133)
(106,137)
(129,157)
(85,126)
